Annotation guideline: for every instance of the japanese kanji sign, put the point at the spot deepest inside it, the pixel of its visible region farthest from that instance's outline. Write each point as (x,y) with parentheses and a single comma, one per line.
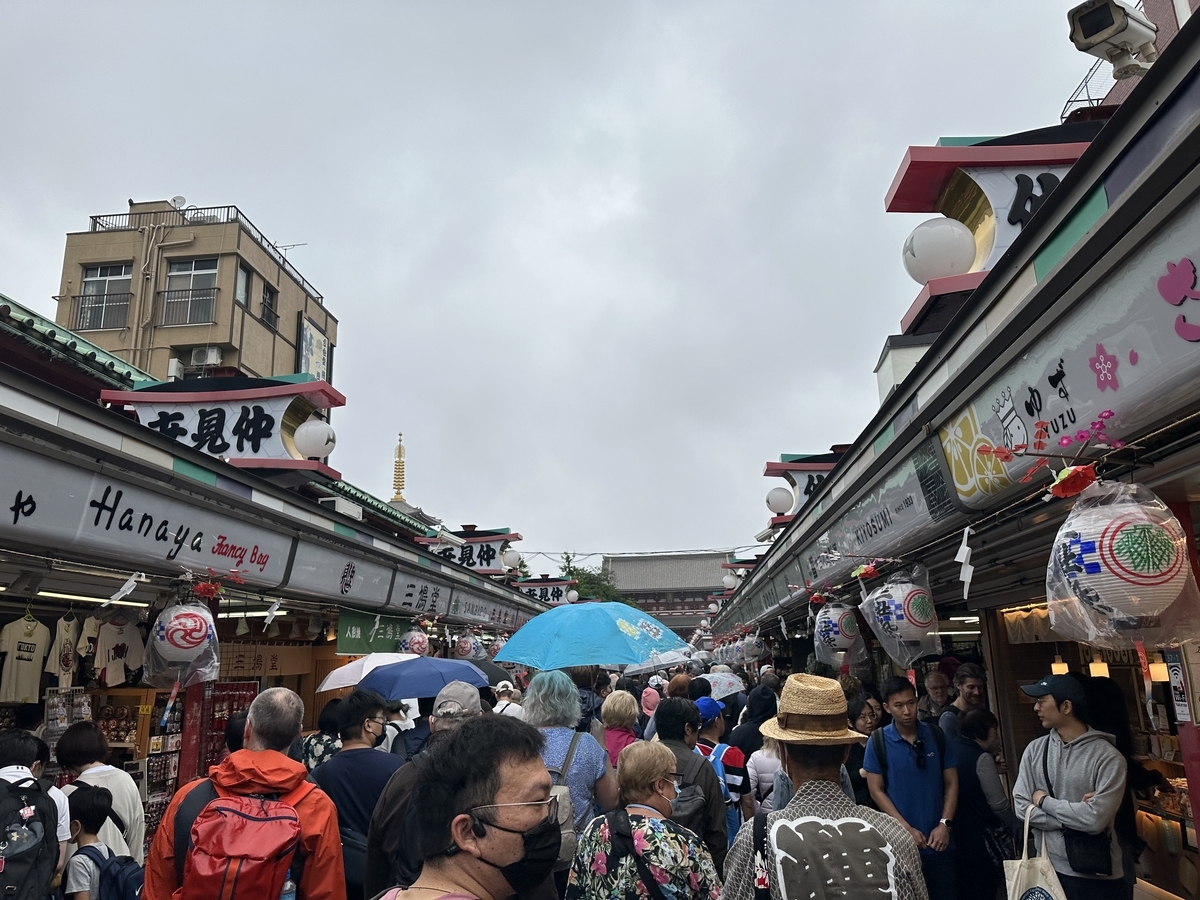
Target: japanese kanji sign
(483,557)
(361,633)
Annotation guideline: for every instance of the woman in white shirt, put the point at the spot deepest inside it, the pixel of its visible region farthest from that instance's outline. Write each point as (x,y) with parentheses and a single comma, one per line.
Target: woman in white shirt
(82,751)
(761,769)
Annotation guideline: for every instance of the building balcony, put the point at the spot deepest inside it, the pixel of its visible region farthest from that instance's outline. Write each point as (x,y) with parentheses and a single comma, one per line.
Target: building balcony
(193,306)
(192,217)
(96,312)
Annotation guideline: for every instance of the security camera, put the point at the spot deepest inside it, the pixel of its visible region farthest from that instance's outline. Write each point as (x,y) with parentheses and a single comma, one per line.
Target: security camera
(1113,30)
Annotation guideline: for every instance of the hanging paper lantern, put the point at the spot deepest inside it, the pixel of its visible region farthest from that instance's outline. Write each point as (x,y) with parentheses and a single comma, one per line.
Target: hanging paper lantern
(1121,552)
(836,627)
(181,633)
(754,647)
(902,610)
(496,646)
(466,647)
(414,641)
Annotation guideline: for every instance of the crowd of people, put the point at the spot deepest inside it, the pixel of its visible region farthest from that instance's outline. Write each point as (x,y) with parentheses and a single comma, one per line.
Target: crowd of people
(590,785)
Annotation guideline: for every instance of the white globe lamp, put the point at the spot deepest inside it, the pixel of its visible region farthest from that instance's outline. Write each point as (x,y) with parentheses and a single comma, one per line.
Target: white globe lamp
(314,439)
(511,558)
(714,608)
(780,500)
(704,623)
(730,581)
(939,248)
(572,596)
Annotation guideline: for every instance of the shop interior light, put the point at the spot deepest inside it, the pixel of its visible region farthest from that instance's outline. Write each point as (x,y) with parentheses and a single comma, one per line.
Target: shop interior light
(955,634)
(54,595)
(1158,670)
(1098,668)
(1058,667)
(250,614)
(971,619)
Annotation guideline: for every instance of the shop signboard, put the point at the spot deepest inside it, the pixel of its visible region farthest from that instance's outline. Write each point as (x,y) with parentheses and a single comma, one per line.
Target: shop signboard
(469,608)
(251,660)
(312,350)
(547,590)
(56,507)
(482,557)
(428,598)
(333,574)
(1180,697)
(360,633)
(1125,357)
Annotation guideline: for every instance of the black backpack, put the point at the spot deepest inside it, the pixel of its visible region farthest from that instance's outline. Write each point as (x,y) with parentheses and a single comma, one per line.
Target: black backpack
(121,877)
(880,745)
(354,845)
(690,808)
(29,822)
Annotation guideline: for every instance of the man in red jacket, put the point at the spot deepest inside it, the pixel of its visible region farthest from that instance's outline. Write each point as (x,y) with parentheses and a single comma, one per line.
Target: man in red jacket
(263,767)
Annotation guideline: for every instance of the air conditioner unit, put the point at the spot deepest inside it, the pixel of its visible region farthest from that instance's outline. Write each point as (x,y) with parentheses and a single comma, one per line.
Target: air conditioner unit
(206,356)
(343,506)
(174,369)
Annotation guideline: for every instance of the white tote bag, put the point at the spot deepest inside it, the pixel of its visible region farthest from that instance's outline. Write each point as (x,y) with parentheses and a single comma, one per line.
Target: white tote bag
(1031,878)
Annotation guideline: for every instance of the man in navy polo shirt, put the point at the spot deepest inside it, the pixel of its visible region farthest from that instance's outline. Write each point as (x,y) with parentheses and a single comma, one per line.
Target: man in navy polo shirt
(911,773)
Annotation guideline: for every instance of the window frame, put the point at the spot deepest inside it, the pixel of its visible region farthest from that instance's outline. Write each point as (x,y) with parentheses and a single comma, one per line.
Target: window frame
(243,269)
(269,313)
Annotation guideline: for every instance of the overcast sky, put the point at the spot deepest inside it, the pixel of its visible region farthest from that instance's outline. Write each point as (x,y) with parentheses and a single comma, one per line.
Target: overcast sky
(598,262)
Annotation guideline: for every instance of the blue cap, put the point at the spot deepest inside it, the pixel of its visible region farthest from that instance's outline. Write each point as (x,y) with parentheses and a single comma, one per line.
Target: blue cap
(709,709)
(1060,687)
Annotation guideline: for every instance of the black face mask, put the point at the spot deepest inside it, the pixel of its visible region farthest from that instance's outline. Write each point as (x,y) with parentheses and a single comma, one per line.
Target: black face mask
(379,737)
(541,853)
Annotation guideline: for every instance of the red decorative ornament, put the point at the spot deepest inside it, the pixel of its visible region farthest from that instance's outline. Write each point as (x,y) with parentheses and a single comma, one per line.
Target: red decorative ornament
(1073,479)
(206,589)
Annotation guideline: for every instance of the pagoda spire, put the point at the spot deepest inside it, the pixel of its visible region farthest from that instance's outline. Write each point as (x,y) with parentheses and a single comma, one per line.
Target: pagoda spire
(398,470)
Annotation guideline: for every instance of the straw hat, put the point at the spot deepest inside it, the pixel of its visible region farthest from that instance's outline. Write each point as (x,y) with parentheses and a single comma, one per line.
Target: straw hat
(812,710)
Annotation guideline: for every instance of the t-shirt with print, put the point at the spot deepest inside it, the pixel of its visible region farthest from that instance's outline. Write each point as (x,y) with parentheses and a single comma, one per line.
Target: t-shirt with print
(118,647)
(82,874)
(734,762)
(25,643)
(61,661)
(87,637)
(588,766)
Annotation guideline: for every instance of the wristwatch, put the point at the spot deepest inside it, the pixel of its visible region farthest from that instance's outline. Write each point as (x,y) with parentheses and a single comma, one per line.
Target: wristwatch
(949,823)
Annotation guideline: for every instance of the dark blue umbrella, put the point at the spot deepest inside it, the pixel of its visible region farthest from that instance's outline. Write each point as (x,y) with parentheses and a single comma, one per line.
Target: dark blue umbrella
(422,677)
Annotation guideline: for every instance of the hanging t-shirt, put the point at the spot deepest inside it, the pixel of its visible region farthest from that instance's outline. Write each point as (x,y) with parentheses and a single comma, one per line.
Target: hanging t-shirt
(61,661)
(118,647)
(87,637)
(24,642)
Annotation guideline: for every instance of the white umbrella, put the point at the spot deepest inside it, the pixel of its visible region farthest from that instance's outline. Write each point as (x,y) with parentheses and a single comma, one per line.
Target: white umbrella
(353,672)
(661,661)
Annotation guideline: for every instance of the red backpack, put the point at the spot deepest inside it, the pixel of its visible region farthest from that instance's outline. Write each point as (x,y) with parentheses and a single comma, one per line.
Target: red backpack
(237,846)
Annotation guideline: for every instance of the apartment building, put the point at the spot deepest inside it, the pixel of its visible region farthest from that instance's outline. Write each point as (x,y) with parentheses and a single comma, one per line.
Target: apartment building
(185,292)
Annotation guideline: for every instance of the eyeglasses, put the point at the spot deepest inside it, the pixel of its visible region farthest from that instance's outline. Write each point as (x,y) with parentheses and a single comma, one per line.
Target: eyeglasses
(551,808)
(919,749)
(675,777)
(377,720)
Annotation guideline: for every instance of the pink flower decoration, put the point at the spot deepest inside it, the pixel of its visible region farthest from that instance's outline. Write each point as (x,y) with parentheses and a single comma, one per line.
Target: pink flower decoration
(694,881)
(1105,414)
(1104,364)
(639,842)
(1117,445)
(598,864)
(1098,425)
(1066,441)
(1082,435)
(660,875)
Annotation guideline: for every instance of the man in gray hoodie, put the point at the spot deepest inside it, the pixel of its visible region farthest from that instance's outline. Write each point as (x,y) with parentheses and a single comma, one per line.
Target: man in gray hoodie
(1083,790)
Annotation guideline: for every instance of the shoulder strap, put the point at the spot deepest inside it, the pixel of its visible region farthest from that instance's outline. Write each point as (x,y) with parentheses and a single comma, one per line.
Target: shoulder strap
(93,853)
(1046,766)
(112,813)
(760,847)
(620,827)
(185,816)
(692,769)
(879,742)
(569,758)
(298,793)
(939,738)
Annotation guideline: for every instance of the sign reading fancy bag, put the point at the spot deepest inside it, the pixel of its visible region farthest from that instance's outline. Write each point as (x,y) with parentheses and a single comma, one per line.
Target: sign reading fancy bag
(52,505)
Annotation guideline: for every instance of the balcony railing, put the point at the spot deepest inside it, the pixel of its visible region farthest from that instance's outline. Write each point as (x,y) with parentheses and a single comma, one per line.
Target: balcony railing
(194,306)
(209,215)
(99,311)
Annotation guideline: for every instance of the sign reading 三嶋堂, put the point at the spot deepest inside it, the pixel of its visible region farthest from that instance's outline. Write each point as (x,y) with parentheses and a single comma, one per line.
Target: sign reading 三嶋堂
(360,633)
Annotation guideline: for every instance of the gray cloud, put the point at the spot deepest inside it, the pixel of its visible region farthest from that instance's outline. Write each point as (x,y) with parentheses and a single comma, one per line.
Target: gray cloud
(598,262)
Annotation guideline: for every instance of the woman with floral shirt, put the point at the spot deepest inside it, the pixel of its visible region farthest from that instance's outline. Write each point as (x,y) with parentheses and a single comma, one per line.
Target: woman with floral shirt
(637,839)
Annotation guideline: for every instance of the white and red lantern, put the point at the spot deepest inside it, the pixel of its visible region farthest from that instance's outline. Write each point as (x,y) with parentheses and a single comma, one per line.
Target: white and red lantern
(467,647)
(414,641)
(754,647)
(836,628)
(902,610)
(181,633)
(496,646)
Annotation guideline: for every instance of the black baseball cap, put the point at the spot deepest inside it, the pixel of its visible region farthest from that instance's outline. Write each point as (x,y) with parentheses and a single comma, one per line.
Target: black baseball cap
(1060,687)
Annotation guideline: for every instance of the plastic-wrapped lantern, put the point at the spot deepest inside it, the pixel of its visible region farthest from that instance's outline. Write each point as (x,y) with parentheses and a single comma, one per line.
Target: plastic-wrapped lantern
(181,633)
(836,627)
(1123,557)
(414,641)
(903,610)
(496,646)
(754,647)
(466,647)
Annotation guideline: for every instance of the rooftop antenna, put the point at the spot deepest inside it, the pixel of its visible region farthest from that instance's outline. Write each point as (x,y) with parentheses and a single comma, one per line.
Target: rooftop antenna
(179,201)
(284,248)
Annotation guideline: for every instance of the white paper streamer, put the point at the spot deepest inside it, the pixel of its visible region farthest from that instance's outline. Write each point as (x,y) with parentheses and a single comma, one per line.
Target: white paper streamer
(126,589)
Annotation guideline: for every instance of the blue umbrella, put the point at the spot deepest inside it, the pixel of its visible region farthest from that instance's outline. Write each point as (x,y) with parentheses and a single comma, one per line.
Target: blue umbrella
(422,677)
(588,634)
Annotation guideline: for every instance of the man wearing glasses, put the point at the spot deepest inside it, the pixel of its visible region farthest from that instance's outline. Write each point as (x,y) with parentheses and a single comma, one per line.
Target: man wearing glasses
(488,825)
(355,778)
(912,777)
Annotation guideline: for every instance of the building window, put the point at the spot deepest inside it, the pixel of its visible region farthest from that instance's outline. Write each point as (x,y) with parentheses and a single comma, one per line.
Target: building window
(242,292)
(191,294)
(270,312)
(104,302)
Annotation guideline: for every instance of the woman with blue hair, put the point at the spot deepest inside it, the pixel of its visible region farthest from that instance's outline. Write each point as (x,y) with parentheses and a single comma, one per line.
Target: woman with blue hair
(552,706)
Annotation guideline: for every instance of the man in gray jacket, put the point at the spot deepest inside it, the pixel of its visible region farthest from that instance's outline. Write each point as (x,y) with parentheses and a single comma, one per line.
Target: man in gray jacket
(1074,778)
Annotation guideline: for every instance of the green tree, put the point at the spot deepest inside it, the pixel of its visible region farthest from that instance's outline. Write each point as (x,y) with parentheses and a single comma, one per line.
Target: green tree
(593,582)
